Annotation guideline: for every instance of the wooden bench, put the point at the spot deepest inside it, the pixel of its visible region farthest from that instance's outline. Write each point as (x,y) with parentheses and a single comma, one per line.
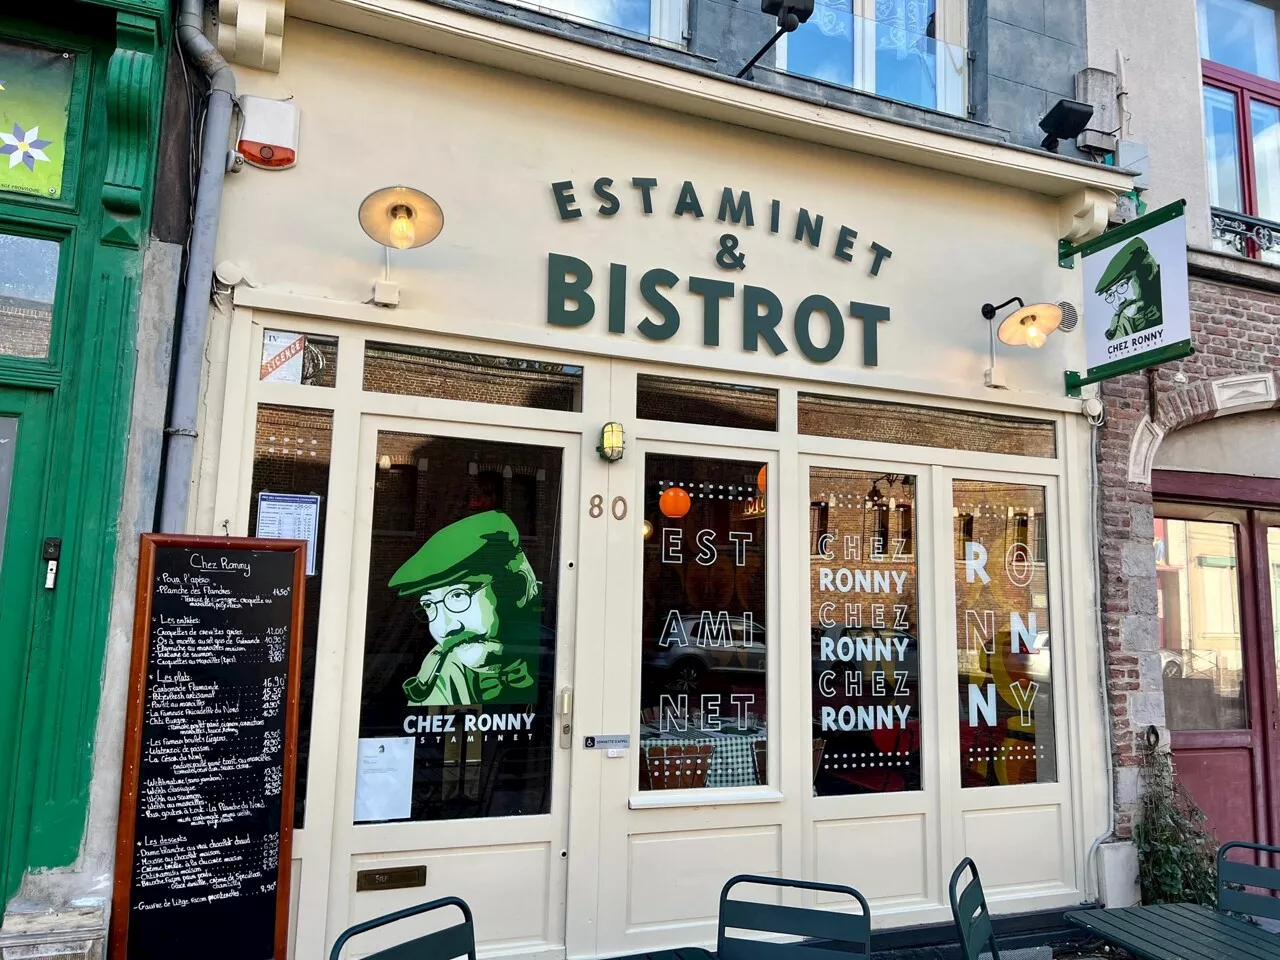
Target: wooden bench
(1187,931)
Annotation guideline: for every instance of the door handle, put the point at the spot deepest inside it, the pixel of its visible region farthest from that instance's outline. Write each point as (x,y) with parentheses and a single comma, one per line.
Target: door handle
(565,711)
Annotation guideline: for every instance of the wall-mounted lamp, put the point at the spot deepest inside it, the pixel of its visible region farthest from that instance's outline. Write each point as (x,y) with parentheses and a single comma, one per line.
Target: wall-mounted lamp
(1028,326)
(612,442)
(1065,120)
(403,218)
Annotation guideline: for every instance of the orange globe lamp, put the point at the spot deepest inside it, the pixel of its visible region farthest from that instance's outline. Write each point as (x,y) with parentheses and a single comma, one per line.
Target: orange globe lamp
(762,477)
(674,502)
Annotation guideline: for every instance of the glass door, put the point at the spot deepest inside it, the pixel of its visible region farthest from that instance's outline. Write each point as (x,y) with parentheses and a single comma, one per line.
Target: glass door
(458,679)
(23,450)
(1211,661)
(1267,548)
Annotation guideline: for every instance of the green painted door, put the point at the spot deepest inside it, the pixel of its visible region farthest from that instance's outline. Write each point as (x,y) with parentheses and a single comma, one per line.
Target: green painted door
(23,455)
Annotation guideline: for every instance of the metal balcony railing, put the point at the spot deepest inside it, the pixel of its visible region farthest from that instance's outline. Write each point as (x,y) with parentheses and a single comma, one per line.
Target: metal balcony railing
(1245,235)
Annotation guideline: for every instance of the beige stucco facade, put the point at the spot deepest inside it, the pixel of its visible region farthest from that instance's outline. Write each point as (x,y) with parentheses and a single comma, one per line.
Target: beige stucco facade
(486,119)
(1159,71)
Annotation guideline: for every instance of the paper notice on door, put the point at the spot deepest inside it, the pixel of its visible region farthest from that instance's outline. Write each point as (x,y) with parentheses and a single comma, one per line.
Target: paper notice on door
(384,779)
(290,516)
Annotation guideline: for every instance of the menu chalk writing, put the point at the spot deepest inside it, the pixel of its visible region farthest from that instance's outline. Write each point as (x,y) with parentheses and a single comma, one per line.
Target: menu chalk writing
(206,799)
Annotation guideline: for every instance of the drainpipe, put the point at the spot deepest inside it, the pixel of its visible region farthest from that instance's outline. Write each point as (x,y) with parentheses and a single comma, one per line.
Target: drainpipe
(180,434)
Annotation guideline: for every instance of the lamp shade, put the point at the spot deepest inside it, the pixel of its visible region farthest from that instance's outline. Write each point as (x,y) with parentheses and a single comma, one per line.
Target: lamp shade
(1031,325)
(401,217)
(674,502)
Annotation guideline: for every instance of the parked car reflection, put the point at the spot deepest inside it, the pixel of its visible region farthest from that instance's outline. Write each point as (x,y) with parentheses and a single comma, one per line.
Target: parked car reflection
(711,650)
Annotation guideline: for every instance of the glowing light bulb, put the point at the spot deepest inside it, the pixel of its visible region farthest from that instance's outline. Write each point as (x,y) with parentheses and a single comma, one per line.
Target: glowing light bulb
(402,232)
(1035,337)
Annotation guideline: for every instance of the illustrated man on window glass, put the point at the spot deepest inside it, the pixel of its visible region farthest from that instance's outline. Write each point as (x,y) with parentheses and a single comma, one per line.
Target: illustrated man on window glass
(480,600)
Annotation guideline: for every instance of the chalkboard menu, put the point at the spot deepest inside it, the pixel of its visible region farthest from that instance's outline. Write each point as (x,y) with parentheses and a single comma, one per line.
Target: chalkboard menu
(206,802)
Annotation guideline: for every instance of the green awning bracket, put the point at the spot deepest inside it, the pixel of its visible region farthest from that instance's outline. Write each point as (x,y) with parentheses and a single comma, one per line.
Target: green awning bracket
(1174,351)
(1067,251)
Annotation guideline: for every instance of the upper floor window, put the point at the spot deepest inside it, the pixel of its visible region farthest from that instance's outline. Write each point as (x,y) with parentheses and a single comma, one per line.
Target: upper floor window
(1240,34)
(662,20)
(907,50)
(1241,62)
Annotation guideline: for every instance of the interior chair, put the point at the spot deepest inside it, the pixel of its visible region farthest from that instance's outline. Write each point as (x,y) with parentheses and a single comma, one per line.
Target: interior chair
(676,766)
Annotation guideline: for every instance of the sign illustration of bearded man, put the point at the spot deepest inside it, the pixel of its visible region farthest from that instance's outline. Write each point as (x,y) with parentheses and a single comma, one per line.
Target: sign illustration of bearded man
(476,592)
(1133,279)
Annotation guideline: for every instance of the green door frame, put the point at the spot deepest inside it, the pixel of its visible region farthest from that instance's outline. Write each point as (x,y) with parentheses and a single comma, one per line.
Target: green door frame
(19,572)
(101,221)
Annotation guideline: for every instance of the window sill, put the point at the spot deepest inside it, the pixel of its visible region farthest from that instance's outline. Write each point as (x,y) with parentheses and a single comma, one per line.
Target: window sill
(704,797)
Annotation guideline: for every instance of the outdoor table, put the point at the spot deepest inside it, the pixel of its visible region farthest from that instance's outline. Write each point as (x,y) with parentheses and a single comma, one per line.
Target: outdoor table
(1179,931)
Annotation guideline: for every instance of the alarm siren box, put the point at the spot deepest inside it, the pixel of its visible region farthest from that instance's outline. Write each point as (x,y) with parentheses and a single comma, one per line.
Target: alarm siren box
(268,132)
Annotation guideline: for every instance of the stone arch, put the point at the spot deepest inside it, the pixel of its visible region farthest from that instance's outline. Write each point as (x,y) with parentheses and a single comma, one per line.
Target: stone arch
(1192,403)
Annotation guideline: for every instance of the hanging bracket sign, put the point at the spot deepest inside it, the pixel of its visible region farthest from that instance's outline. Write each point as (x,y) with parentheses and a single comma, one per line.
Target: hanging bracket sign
(1137,310)
(206,799)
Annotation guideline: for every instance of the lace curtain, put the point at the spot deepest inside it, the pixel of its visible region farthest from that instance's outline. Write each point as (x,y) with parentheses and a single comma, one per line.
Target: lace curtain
(903,26)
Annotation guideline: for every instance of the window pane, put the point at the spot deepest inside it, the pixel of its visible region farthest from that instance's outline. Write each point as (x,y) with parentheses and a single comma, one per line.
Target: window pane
(703,659)
(822,47)
(849,418)
(33,119)
(1197,581)
(708,404)
(864,631)
(1240,34)
(1003,633)
(1222,150)
(302,358)
(451,375)
(906,52)
(291,454)
(460,637)
(1265,120)
(28,281)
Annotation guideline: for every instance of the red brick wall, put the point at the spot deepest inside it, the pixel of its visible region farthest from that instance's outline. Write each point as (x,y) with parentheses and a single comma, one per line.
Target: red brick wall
(1236,331)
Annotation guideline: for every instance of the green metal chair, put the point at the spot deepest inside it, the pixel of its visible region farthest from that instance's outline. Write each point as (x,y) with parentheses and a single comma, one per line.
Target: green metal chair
(973,920)
(1248,875)
(448,944)
(833,935)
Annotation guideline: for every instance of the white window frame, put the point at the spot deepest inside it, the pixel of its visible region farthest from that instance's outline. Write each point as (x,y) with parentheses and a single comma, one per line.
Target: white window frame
(952,30)
(668,19)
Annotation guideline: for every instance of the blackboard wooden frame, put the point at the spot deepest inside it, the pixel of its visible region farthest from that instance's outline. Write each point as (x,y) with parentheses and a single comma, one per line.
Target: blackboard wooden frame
(121,905)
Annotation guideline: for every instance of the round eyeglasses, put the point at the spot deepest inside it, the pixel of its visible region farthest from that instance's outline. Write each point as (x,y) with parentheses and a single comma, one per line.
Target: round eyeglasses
(457,600)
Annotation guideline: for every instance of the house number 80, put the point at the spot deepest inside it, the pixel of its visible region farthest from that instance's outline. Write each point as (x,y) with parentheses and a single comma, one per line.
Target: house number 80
(618,507)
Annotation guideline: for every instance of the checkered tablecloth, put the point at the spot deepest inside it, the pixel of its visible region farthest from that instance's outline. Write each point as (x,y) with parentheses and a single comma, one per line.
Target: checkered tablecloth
(733,762)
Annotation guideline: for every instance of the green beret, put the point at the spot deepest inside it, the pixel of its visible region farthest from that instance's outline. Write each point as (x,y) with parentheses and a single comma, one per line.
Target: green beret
(482,543)
(1123,265)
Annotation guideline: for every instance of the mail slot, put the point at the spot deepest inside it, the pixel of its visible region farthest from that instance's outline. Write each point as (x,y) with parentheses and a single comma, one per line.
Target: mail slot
(392,878)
